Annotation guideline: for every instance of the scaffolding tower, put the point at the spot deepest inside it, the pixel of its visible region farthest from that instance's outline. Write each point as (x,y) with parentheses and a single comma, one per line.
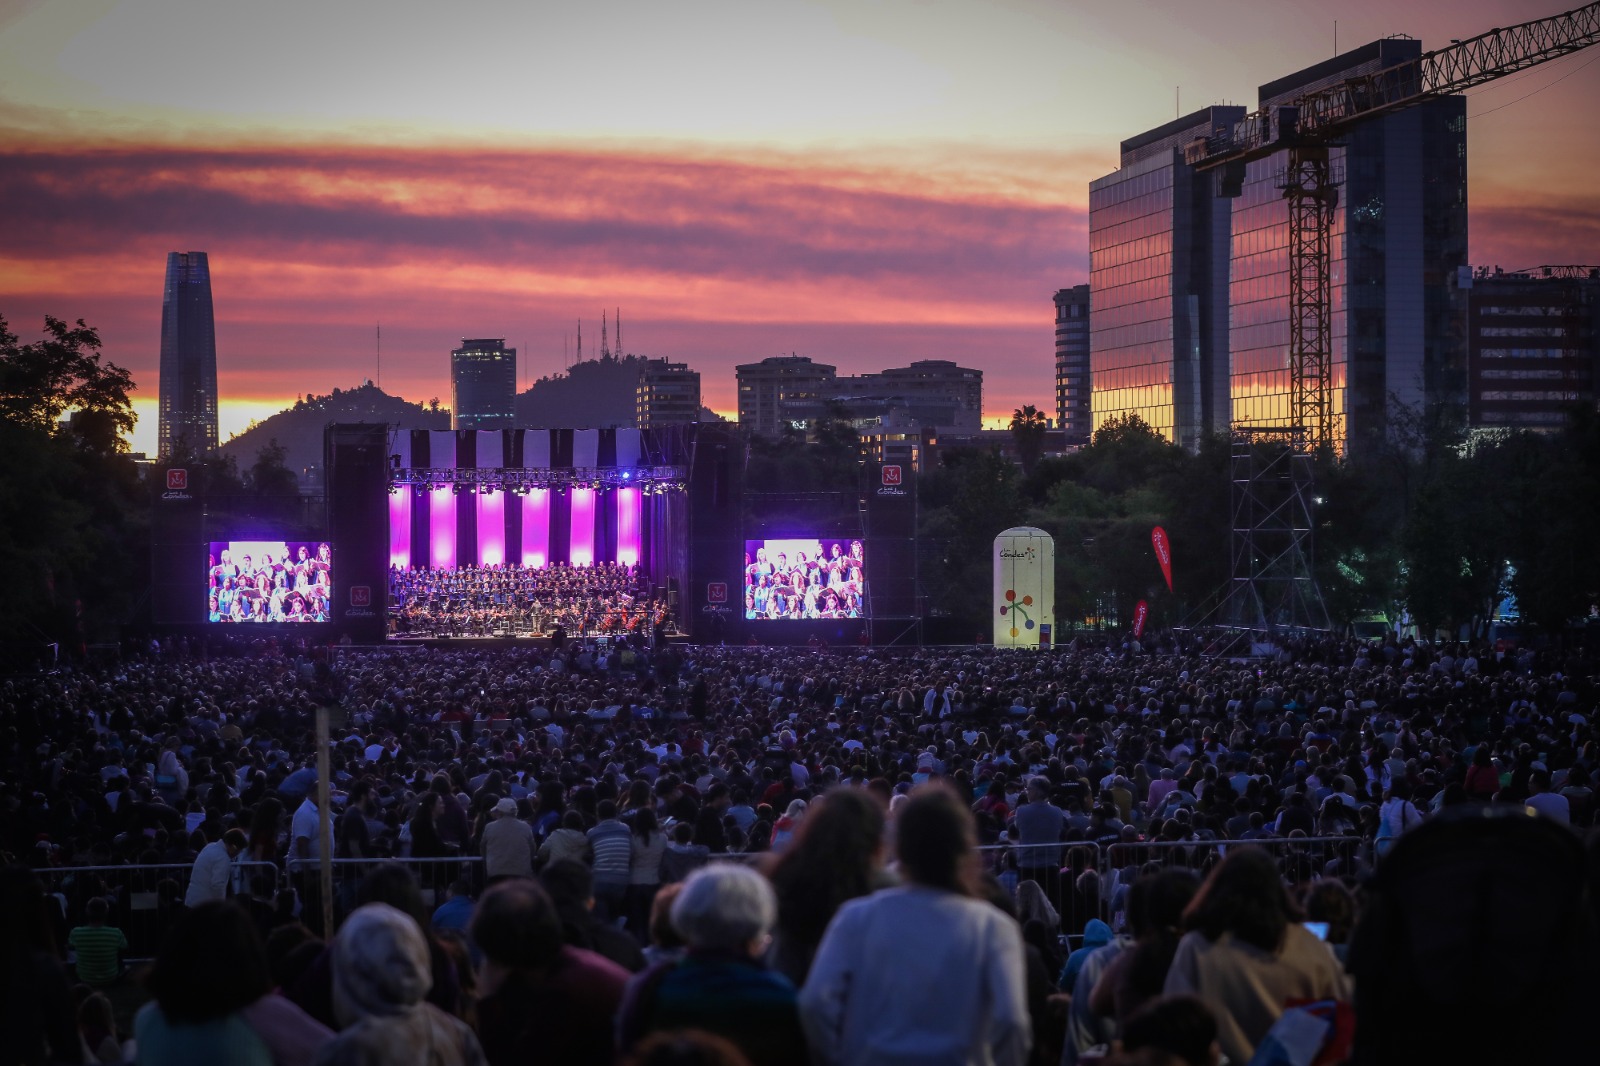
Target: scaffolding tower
(1273,587)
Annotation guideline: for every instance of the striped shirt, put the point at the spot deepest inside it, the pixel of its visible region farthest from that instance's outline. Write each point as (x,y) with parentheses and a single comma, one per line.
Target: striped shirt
(612,844)
(96,947)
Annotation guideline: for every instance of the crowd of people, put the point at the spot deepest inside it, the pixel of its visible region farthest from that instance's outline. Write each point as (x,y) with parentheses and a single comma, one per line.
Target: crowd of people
(292,586)
(673,854)
(511,599)
(824,582)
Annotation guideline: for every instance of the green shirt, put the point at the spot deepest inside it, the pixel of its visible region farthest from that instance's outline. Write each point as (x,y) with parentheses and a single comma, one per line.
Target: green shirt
(97,947)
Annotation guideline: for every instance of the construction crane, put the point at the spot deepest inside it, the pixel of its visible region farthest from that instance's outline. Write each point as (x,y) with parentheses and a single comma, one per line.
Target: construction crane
(1308,128)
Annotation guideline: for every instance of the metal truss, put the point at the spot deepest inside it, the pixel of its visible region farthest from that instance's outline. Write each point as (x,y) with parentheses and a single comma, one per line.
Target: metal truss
(1273,588)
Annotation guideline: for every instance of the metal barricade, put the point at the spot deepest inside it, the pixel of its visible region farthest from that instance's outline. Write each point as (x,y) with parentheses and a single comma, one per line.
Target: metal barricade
(144,900)
(1302,858)
(433,877)
(1070,876)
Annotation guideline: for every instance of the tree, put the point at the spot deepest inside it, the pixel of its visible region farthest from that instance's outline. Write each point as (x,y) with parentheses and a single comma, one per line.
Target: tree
(270,475)
(62,374)
(1028,427)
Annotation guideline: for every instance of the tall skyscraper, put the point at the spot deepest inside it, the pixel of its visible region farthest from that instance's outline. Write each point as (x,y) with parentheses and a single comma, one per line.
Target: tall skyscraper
(483,384)
(1072,364)
(187,421)
(1190,271)
(1158,269)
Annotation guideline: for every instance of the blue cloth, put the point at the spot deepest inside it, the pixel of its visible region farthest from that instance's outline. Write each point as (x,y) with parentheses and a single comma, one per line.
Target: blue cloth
(454,913)
(1096,935)
(226,1041)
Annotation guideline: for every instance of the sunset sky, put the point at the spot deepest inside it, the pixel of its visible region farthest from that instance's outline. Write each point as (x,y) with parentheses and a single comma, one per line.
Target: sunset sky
(862,182)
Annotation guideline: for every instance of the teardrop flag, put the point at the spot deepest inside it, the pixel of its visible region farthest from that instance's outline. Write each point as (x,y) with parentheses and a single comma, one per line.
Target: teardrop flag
(1141,611)
(1163,547)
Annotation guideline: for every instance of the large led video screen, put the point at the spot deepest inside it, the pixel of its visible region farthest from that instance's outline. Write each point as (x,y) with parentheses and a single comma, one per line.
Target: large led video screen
(268,581)
(796,578)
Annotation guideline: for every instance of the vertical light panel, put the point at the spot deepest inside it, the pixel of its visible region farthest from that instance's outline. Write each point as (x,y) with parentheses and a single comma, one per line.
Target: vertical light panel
(628,526)
(442,528)
(582,551)
(491,529)
(400,526)
(536,528)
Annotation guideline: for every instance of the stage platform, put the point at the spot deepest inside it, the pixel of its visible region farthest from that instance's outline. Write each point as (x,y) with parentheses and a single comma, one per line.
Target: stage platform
(498,641)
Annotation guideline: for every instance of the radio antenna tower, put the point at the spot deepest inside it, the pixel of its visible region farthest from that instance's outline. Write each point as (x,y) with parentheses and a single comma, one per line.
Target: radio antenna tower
(605,343)
(619,333)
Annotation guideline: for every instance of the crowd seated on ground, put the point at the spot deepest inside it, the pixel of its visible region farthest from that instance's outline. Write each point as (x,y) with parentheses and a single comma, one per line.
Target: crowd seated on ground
(715,845)
(460,601)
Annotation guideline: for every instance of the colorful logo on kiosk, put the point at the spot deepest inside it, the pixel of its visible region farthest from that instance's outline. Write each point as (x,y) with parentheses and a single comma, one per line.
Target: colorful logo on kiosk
(1017,609)
(717,592)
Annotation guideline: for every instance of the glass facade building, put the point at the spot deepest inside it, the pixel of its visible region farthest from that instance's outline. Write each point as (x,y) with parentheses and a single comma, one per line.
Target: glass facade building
(483,385)
(1190,327)
(187,419)
(1157,278)
(1072,364)
(1399,243)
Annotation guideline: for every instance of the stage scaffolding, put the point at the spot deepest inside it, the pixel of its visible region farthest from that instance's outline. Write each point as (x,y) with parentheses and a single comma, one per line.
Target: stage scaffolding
(1273,588)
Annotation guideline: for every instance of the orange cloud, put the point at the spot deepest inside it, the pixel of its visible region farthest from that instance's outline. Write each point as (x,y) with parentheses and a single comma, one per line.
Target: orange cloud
(712,260)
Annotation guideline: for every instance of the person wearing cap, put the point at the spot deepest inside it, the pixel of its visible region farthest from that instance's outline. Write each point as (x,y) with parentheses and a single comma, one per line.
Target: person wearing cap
(507,843)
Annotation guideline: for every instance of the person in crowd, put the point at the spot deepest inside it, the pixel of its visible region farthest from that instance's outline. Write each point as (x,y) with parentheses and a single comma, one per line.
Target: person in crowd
(37,1014)
(1397,815)
(212,872)
(566,842)
(381,978)
(571,891)
(541,999)
(725,913)
(685,1047)
(1172,1031)
(98,946)
(508,845)
(837,856)
(1156,906)
(611,852)
(97,1025)
(210,969)
(1245,955)
(666,943)
(644,871)
(926,972)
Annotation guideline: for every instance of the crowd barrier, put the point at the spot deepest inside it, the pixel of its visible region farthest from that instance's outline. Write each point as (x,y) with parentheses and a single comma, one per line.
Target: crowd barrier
(1080,881)
(144,900)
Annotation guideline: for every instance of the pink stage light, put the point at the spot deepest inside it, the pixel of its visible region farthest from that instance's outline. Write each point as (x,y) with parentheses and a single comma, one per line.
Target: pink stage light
(536,527)
(442,528)
(491,529)
(628,526)
(582,553)
(400,527)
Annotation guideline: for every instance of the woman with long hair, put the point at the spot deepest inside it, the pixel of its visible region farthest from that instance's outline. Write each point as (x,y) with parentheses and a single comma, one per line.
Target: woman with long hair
(927,972)
(836,856)
(644,869)
(1245,954)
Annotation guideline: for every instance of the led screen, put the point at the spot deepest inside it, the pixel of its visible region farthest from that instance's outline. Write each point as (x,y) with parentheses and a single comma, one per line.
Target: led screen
(268,581)
(795,578)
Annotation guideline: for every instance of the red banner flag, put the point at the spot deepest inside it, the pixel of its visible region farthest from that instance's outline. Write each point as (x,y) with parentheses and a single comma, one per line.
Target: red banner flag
(1141,611)
(1163,547)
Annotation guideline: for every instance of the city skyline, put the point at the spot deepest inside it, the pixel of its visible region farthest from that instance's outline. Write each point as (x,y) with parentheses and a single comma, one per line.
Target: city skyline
(902,182)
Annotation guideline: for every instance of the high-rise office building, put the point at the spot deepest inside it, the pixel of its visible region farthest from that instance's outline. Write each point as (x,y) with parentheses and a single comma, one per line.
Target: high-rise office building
(483,384)
(1158,268)
(187,421)
(1399,243)
(668,394)
(1534,337)
(782,391)
(930,393)
(1072,364)
(1190,271)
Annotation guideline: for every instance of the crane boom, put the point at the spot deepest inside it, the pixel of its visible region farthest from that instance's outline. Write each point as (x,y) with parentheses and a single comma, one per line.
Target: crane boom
(1324,114)
(1309,126)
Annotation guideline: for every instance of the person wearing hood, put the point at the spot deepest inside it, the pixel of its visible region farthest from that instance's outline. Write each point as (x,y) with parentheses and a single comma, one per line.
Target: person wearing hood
(381,978)
(1096,935)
